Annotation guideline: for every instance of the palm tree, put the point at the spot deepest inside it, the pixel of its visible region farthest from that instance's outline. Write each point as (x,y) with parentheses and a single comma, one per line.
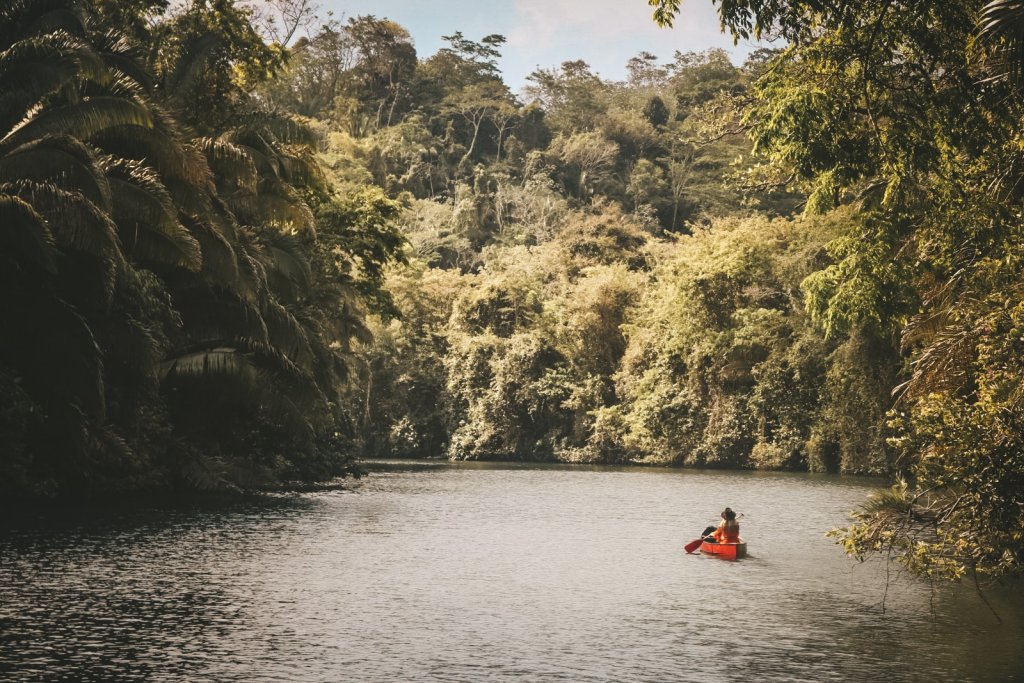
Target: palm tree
(62,256)
(96,182)
(1002,24)
(171,312)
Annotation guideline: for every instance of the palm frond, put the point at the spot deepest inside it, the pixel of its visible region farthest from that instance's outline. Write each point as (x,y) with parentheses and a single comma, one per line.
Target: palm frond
(76,222)
(15,105)
(121,86)
(252,274)
(148,225)
(220,262)
(234,166)
(209,313)
(280,128)
(191,202)
(285,262)
(171,157)
(287,334)
(264,158)
(80,120)
(24,235)
(110,453)
(282,207)
(1002,24)
(268,379)
(119,54)
(128,342)
(348,324)
(59,160)
(947,343)
(944,364)
(207,362)
(34,68)
(301,167)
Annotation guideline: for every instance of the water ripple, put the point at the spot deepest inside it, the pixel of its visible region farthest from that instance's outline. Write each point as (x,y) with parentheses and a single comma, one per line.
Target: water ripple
(484,573)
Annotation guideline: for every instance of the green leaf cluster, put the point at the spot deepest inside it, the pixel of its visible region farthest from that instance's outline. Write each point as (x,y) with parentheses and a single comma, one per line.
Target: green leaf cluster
(912,111)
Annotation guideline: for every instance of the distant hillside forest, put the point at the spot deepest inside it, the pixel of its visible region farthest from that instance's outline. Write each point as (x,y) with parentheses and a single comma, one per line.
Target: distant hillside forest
(228,263)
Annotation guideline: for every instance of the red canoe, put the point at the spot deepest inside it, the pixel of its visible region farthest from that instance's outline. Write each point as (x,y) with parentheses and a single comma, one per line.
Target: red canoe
(728,551)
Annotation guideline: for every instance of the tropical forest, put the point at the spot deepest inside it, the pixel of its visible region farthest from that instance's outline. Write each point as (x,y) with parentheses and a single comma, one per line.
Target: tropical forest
(256,247)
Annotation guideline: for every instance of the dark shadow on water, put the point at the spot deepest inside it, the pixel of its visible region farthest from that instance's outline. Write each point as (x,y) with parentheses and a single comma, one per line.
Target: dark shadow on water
(137,512)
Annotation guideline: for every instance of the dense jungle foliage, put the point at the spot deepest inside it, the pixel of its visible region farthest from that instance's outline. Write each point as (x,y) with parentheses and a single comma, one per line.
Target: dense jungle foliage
(605,273)
(180,283)
(227,262)
(910,113)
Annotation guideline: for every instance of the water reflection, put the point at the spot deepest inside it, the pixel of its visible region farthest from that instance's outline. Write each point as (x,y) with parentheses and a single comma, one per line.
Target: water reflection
(477,572)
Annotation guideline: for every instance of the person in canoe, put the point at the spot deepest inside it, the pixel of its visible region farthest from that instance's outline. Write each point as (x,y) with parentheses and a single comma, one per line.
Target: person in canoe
(727,531)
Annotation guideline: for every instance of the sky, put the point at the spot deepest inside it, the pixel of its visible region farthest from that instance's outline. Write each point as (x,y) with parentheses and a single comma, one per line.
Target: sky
(545,33)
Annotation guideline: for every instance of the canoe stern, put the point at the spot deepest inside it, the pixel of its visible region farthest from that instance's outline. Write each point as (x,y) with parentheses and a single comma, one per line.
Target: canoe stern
(728,551)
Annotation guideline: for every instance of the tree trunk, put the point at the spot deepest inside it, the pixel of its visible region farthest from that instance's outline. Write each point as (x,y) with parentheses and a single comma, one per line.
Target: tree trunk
(369,390)
(394,101)
(472,143)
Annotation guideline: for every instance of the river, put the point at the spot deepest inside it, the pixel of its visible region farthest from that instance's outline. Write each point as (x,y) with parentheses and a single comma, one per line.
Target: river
(487,572)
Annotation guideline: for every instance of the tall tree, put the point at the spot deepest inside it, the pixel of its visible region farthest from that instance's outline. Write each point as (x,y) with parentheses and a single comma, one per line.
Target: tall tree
(478,104)
(384,66)
(571,95)
(313,76)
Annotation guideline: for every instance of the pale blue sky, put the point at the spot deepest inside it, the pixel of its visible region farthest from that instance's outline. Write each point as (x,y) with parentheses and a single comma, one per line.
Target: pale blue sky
(545,33)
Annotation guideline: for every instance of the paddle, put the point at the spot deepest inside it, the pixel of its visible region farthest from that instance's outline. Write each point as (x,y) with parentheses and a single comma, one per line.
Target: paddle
(695,543)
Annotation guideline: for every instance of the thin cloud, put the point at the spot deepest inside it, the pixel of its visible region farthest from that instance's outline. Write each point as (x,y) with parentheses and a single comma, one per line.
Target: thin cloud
(544,21)
(604,33)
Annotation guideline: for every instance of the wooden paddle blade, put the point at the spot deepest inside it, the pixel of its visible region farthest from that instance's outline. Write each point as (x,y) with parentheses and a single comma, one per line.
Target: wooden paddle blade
(693,545)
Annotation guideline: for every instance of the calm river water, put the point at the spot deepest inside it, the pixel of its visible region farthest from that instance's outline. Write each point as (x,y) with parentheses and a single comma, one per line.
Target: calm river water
(478,572)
